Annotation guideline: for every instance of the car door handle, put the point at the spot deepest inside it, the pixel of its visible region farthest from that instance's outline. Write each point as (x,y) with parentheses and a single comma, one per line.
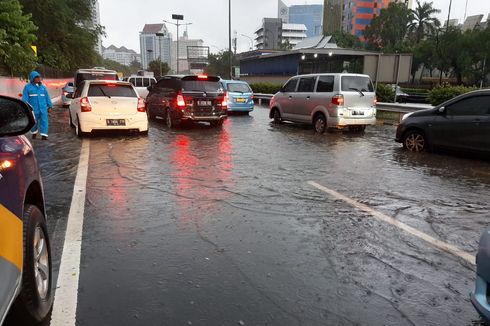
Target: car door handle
(290,97)
(308,97)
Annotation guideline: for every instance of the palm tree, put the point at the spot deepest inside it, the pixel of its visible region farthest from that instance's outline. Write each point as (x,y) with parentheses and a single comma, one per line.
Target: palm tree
(423,22)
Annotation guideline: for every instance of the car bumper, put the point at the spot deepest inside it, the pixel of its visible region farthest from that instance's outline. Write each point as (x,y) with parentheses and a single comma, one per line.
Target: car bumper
(203,118)
(89,122)
(400,130)
(479,299)
(241,108)
(340,122)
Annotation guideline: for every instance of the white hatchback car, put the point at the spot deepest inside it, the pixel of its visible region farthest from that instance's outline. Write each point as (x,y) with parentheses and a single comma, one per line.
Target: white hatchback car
(107,105)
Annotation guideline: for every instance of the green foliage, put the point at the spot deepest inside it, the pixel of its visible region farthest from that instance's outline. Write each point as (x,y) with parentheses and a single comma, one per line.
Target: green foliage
(423,21)
(154,66)
(285,46)
(66,36)
(388,31)
(385,93)
(266,88)
(135,66)
(219,64)
(16,37)
(114,65)
(445,92)
(347,40)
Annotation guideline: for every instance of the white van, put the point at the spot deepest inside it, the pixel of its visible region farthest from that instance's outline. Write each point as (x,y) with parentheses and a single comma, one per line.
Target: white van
(326,101)
(141,84)
(94,74)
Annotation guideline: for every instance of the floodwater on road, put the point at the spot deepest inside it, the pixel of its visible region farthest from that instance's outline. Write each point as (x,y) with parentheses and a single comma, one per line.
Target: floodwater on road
(206,226)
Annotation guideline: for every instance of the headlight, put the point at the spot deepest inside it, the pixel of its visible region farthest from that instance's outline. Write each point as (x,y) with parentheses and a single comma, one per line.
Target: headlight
(407,115)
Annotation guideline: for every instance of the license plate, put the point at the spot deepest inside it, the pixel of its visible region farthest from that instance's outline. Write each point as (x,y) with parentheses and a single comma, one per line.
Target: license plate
(240,100)
(357,112)
(204,103)
(115,122)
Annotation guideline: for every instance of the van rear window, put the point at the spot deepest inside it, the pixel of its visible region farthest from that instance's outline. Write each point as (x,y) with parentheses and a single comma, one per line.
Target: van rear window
(200,86)
(104,90)
(80,77)
(238,88)
(357,83)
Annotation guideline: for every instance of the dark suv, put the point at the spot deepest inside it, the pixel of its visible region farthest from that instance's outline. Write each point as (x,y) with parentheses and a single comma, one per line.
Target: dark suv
(188,98)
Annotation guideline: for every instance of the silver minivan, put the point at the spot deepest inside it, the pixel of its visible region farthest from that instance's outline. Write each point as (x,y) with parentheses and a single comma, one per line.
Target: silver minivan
(328,101)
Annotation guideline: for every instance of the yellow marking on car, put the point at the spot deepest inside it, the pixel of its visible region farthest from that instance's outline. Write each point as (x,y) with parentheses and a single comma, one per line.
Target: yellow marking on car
(11,238)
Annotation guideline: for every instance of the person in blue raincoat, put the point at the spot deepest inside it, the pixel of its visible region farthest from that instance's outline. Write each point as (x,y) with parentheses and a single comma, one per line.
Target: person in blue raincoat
(36,94)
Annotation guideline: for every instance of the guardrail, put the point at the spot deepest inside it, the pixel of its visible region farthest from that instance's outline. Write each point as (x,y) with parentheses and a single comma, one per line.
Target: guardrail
(262,97)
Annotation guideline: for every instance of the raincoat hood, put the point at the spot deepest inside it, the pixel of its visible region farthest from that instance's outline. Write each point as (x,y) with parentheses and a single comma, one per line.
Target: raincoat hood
(33,76)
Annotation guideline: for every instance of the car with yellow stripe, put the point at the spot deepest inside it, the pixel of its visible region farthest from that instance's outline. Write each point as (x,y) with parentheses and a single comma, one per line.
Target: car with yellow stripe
(25,256)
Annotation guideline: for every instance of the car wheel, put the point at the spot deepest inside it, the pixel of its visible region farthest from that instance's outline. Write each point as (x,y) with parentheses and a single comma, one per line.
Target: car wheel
(320,123)
(79,131)
(276,115)
(36,297)
(72,125)
(168,119)
(151,116)
(415,141)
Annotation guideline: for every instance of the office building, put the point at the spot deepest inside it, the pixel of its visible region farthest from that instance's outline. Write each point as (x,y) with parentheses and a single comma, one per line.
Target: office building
(189,50)
(95,23)
(274,32)
(309,15)
(122,55)
(155,43)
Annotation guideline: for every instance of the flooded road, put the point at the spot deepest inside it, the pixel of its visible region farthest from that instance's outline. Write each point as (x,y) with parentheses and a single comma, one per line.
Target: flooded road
(205,226)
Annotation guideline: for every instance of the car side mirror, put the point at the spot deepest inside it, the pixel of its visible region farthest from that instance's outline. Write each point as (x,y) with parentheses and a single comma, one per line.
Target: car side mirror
(442,109)
(16,117)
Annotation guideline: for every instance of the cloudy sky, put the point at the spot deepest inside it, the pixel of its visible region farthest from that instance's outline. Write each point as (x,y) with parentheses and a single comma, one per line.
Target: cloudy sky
(124,19)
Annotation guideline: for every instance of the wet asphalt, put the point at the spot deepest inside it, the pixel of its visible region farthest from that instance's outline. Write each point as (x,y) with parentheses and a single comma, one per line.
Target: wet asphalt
(205,226)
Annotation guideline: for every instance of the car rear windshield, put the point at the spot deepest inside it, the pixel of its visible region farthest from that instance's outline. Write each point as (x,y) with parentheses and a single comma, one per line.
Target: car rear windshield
(80,77)
(101,90)
(357,83)
(200,86)
(238,88)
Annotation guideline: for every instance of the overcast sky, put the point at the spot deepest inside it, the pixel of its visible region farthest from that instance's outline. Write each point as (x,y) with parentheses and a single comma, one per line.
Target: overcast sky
(124,19)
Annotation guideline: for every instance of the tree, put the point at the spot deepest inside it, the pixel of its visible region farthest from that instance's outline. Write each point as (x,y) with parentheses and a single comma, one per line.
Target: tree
(347,40)
(285,46)
(219,64)
(113,65)
(66,36)
(155,66)
(135,66)
(16,37)
(423,21)
(388,31)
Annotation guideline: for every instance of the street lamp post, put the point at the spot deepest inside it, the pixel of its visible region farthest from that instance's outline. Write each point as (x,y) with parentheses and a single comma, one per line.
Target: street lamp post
(160,35)
(178,18)
(251,41)
(229,40)
(148,57)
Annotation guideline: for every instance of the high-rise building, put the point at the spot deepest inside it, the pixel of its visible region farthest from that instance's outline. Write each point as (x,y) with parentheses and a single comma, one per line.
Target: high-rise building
(186,44)
(122,55)
(309,15)
(96,22)
(333,11)
(275,32)
(155,43)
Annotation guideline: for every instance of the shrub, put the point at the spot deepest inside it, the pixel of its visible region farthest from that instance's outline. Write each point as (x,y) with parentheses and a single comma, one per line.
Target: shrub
(266,88)
(385,93)
(445,92)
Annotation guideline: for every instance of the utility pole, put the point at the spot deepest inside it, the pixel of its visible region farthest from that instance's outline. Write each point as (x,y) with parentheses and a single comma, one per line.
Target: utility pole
(160,36)
(229,40)
(178,18)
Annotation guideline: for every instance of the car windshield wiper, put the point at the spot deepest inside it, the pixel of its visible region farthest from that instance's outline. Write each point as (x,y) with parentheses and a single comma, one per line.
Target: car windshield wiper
(102,90)
(357,90)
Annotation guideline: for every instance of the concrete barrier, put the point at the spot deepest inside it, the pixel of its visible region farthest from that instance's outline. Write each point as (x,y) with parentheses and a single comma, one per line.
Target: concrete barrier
(14,86)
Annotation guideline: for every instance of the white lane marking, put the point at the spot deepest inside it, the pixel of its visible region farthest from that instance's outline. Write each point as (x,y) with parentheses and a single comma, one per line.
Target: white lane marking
(66,295)
(385,218)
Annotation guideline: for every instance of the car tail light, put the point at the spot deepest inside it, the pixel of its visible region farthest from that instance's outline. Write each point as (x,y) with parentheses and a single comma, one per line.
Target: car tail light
(338,100)
(6,165)
(85,105)
(202,77)
(141,105)
(224,103)
(375,101)
(180,101)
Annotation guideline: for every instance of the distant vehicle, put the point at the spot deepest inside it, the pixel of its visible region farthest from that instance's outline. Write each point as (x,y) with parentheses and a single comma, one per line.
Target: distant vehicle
(107,105)
(69,88)
(480,298)
(94,74)
(188,98)
(240,96)
(327,101)
(25,255)
(141,84)
(403,97)
(144,73)
(461,124)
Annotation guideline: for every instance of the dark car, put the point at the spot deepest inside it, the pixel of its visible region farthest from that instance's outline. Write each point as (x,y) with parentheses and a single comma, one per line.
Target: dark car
(25,257)
(461,124)
(481,297)
(188,98)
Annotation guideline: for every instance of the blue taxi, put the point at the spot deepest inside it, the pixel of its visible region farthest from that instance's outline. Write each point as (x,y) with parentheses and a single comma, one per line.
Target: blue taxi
(240,95)
(25,257)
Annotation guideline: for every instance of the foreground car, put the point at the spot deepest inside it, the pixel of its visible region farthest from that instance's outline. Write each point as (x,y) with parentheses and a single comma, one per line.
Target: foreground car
(461,124)
(66,94)
(240,96)
(480,298)
(188,98)
(25,256)
(107,105)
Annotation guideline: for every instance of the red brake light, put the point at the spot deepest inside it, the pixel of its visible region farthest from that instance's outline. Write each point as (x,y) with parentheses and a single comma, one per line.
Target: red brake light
(141,105)
(85,105)
(202,77)
(110,84)
(180,101)
(338,100)
(225,101)
(6,165)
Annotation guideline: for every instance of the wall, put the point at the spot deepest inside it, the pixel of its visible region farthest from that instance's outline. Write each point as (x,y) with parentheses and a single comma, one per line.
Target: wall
(388,64)
(14,86)
(266,79)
